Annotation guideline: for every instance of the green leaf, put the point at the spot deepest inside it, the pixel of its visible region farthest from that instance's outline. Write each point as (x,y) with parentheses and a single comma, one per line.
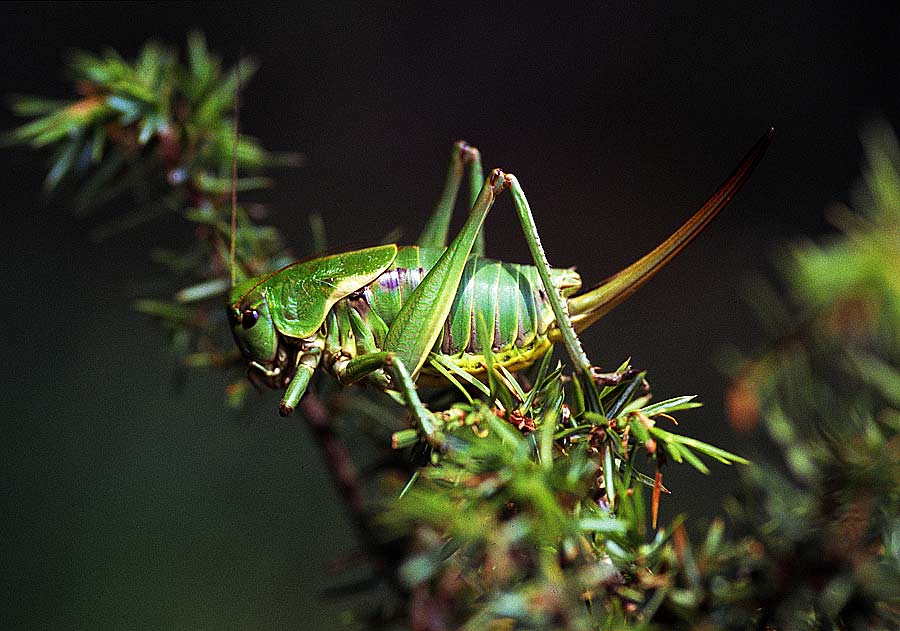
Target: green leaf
(609,478)
(62,163)
(449,377)
(693,460)
(222,185)
(625,397)
(221,99)
(603,526)
(203,291)
(465,376)
(23,105)
(721,455)
(672,405)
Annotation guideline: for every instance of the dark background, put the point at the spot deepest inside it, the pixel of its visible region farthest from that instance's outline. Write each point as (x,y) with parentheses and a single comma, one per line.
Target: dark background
(131,501)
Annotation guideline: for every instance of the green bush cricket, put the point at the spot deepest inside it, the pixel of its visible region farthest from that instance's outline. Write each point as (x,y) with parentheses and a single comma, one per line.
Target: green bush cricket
(394,315)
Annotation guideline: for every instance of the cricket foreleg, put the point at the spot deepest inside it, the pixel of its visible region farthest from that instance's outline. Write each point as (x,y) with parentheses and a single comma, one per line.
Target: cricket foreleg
(306,366)
(352,370)
(438,227)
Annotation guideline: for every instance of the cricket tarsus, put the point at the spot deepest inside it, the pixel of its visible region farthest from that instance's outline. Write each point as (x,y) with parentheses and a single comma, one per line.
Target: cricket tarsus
(376,314)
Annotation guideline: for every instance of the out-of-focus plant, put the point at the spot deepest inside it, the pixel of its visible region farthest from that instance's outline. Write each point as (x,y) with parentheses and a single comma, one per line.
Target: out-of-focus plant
(545,513)
(825,522)
(155,136)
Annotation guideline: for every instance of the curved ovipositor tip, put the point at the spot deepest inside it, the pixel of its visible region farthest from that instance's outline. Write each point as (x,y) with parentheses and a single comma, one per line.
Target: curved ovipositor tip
(594,304)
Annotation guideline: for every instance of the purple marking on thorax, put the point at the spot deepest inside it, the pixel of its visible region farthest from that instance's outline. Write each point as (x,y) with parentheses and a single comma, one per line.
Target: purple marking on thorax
(389,280)
(401,276)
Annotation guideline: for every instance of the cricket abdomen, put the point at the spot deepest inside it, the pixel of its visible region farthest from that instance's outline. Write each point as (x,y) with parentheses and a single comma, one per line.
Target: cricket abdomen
(501,303)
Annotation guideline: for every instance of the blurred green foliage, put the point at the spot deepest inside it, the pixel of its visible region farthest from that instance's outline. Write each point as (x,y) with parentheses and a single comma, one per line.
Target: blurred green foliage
(826,519)
(156,136)
(544,514)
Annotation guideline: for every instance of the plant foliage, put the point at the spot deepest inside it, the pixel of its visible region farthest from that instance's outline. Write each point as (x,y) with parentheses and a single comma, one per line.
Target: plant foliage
(544,514)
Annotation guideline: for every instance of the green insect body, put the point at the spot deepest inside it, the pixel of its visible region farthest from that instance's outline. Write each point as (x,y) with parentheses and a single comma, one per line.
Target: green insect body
(509,296)
(378,313)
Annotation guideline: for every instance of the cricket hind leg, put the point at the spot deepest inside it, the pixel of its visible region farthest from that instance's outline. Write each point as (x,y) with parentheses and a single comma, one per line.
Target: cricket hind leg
(585,372)
(590,306)
(463,157)
(560,311)
(420,320)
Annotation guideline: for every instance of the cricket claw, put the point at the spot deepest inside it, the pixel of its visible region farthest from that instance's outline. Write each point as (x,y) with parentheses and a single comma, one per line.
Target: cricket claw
(467,153)
(499,181)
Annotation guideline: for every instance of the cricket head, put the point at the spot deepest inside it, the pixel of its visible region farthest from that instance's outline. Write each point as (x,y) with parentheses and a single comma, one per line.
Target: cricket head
(279,320)
(255,333)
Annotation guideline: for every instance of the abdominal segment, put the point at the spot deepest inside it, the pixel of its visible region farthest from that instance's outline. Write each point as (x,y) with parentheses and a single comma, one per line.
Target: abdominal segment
(499,308)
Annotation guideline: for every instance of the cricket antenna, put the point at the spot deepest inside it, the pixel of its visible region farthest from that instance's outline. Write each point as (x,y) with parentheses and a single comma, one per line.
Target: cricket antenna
(234,150)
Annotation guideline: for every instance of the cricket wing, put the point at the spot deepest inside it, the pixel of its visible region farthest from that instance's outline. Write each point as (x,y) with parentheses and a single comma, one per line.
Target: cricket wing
(301,295)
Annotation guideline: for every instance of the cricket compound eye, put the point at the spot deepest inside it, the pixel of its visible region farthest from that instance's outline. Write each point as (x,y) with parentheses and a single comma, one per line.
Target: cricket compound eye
(249,318)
